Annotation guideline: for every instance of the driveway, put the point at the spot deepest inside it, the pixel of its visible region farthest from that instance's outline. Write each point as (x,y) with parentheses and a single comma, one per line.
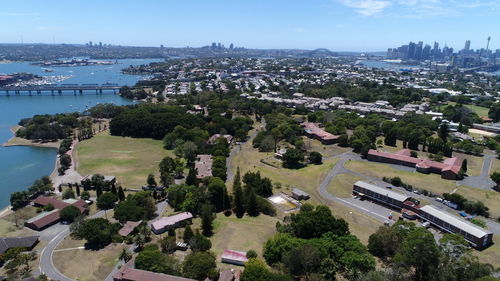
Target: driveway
(483,181)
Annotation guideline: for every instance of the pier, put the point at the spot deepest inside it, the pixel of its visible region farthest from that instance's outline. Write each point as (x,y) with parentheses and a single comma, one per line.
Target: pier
(59,89)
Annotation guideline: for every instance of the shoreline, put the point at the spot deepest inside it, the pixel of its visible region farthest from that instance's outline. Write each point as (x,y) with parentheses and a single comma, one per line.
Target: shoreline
(17,141)
(5,211)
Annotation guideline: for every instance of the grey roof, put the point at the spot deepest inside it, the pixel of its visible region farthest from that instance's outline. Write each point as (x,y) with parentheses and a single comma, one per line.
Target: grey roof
(383,191)
(14,242)
(299,192)
(455,221)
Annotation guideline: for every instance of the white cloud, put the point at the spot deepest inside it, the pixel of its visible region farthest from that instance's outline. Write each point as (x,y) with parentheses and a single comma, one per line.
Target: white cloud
(367,7)
(422,8)
(299,29)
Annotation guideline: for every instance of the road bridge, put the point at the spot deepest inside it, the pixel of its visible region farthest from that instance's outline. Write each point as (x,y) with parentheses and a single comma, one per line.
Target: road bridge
(54,89)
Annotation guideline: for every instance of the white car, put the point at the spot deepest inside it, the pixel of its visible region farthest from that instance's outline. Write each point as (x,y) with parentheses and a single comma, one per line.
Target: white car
(426,224)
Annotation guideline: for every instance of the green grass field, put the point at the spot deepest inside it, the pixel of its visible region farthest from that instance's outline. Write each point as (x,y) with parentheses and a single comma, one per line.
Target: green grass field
(341,185)
(307,179)
(129,159)
(490,198)
(247,233)
(84,264)
(479,110)
(430,182)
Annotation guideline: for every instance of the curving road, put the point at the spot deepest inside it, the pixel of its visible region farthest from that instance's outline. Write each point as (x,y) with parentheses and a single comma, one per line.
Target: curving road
(46,262)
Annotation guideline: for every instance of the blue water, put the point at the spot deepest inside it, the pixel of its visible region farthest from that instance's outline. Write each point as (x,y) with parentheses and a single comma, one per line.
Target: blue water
(388,65)
(20,165)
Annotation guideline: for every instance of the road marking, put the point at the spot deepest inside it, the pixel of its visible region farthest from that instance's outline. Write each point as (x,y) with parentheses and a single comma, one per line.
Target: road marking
(69,249)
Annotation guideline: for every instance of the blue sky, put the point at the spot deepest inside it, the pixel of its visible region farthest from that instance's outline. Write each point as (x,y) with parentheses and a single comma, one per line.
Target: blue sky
(341,25)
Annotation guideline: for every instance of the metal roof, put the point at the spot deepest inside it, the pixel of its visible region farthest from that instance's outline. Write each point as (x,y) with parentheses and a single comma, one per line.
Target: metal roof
(382,191)
(455,221)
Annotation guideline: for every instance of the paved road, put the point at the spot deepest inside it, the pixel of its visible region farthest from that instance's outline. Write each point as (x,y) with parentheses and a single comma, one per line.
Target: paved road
(374,210)
(46,262)
(483,181)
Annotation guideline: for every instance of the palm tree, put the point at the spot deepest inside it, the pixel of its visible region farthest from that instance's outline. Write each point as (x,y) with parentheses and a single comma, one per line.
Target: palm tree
(125,255)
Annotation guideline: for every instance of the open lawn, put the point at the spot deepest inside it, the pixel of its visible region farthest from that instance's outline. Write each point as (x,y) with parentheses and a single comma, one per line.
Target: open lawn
(307,179)
(84,264)
(21,215)
(490,198)
(430,182)
(325,150)
(247,233)
(129,159)
(341,185)
(474,163)
(479,110)
(360,224)
(9,229)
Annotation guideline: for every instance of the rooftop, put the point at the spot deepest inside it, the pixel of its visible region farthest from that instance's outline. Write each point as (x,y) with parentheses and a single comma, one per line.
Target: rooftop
(381,190)
(455,221)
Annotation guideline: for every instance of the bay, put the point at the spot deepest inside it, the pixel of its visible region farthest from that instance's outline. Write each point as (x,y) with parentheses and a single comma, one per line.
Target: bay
(21,165)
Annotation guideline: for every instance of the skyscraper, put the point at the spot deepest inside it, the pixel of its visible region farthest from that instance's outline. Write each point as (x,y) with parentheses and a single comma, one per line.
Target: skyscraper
(418,50)
(411,50)
(467,45)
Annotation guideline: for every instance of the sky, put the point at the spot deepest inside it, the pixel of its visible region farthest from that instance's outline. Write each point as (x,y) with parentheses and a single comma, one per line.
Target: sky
(338,25)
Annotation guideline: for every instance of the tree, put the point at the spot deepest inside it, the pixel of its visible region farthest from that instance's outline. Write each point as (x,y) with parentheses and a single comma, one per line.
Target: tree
(188,234)
(168,244)
(239,208)
(98,232)
(303,260)
(313,223)
(199,243)
(121,194)
(77,186)
(151,180)
(252,206)
(384,242)
(68,193)
(19,199)
(191,177)
(125,255)
(419,251)
(315,158)
(216,192)
(251,254)
(495,176)
(444,132)
(69,213)
(200,265)
(256,270)
(207,218)
(155,261)
(293,158)
(106,201)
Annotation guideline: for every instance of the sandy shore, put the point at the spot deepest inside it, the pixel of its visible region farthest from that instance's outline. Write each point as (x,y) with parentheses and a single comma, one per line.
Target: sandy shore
(5,211)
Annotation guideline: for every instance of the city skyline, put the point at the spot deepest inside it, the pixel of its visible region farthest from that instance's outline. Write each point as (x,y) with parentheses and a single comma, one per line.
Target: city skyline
(338,25)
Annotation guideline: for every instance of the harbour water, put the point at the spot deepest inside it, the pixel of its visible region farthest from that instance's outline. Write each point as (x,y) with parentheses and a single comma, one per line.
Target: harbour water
(21,165)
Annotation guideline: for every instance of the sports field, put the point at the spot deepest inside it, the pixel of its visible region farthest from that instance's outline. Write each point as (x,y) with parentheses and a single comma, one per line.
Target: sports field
(129,159)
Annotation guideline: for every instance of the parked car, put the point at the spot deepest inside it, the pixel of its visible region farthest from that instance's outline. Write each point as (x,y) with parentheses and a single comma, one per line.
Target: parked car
(389,187)
(440,200)
(426,224)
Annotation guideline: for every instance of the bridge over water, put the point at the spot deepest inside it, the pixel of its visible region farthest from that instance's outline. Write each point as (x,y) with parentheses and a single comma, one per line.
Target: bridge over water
(54,89)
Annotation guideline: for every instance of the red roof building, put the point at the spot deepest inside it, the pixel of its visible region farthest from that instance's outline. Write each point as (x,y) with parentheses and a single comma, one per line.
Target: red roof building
(449,169)
(47,219)
(234,257)
(128,228)
(127,273)
(313,131)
